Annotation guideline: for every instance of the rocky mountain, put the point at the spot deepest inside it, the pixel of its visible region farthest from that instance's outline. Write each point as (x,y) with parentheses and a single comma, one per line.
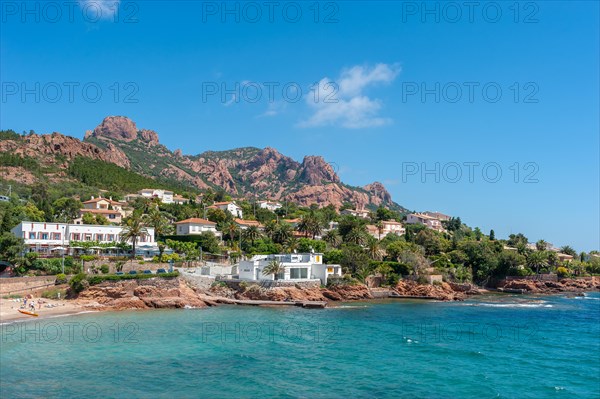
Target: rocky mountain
(242,172)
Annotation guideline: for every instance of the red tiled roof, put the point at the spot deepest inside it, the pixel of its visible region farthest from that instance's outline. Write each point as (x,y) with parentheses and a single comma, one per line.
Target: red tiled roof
(248,222)
(196,221)
(92,201)
(106,211)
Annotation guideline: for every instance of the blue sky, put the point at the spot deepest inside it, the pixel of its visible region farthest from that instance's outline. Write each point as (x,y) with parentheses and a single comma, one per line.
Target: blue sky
(402,88)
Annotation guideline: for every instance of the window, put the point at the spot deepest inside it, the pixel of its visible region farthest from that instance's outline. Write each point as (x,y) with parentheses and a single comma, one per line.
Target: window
(298,273)
(87,237)
(43,236)
(111,216)
(110,237)
(99,237)
(56,236)
(76,236)
(32,236)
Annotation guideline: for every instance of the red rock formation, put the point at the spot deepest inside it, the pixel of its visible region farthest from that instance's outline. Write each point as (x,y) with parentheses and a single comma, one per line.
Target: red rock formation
(140,294)
(442,292)
(149,136)
(116,127)
(37,146)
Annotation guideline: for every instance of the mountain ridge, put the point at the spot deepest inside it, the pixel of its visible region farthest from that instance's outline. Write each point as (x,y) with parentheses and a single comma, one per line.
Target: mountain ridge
(242,172)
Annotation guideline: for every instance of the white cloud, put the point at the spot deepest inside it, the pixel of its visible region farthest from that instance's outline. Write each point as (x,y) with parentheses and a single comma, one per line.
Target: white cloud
(101,9)
(273,109)
(342,103)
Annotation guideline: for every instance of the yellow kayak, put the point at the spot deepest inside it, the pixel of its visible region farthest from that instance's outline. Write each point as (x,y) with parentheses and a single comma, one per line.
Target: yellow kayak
(28,313)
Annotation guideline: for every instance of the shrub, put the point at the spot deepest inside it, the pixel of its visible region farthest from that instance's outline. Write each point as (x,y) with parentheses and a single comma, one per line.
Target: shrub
(61,279)
(93,280)
(562,272)
(12,296)
(104,269)
(53,294)
(87,258)
(79,283)
(422,280)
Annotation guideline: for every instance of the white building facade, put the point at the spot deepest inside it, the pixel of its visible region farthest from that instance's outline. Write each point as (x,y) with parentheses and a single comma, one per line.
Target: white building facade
(426,220)
(297,267)
(230,207)
(272,206)
(45,237)
(196,226)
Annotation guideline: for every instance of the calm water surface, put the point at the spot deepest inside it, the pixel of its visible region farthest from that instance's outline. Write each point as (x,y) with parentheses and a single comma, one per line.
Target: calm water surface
(489,347)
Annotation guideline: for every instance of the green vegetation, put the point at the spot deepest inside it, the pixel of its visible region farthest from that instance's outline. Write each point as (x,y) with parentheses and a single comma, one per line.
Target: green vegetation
(97,279)
(54,293)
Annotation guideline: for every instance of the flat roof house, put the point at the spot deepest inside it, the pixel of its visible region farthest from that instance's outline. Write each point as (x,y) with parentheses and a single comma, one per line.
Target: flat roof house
(361,213)
(425,220)
(296,267)
(272,206)
(45,238)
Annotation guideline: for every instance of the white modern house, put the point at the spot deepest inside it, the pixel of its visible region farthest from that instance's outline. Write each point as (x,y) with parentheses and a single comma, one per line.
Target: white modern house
(272,206)
(195,226)
(425,220)
(46,238)
(112,210)
(165,196)
(297,267)
(230,207)
(361,213)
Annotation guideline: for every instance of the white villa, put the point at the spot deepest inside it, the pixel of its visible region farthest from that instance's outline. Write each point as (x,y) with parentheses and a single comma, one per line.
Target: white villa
(426,220)
(112,210)
(361,213)
(196,226)
(46,238)
(165,196)
(230,207)
(297,267)
(272,206)
(388,227)
(439,216)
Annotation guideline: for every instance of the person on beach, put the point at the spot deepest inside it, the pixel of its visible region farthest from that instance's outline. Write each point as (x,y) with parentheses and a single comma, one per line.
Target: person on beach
(32,306)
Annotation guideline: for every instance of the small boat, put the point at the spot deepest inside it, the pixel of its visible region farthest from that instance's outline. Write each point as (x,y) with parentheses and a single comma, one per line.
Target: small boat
(27,312)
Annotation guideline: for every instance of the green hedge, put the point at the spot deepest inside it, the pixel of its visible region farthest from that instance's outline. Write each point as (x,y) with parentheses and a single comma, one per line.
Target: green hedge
(97,279)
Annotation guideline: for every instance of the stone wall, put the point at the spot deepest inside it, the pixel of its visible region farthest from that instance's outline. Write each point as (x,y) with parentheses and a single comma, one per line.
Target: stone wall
(25,285)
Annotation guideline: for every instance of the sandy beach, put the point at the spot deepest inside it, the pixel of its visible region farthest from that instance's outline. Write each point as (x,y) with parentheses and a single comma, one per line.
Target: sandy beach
(9,309)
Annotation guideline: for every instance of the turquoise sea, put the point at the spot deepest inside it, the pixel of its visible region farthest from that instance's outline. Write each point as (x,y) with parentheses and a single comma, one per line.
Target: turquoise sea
(488,347)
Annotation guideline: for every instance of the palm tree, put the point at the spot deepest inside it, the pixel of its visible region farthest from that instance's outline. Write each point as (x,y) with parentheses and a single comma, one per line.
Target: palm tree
(568,250)
(374,247)
(379,226)
(275,268)
(252,233)
(315,226)
(282,233)
(332,238)
(159,222)
(537,260)
(303,226)
(270,228)
(231,230)
(540,245)
(291,244)
(133,228)
(355,236)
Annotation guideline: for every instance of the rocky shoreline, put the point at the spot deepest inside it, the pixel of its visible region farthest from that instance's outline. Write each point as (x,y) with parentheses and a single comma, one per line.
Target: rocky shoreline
(549,287)
(178,293)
